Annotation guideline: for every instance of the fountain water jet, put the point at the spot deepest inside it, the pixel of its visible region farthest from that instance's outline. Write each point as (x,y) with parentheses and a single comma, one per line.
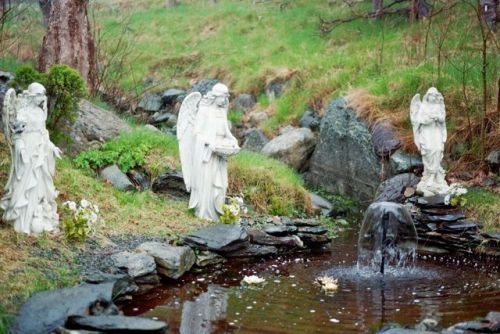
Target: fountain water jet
(387,237)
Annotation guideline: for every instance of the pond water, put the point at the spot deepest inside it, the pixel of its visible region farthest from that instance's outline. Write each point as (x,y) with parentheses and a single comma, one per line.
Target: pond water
(443,288)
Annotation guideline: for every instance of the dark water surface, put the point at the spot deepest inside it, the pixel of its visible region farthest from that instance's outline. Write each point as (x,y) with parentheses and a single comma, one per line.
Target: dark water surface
(446,289)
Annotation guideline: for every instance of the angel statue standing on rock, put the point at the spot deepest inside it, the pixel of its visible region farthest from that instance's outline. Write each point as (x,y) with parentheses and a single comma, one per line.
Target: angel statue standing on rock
(205,142)
(429,131)
(30,199)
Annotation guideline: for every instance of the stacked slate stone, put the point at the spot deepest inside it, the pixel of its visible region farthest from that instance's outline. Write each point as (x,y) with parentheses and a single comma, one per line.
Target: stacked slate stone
(277,237)
(444,228)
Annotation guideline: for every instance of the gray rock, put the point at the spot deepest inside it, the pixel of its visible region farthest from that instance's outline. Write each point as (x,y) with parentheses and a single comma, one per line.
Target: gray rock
(392,190)
(253,251)
(313,240)
(294,147)
(168,118)
(117,178)
(117,324)
(202,86)
(385,139)
(402,162)
(218,238)
(138,178)
(310,120)
(170,184)
(255,139)
(94,125)
(171,95)
(260,237)
(151,279)
(136,264)
(46,311)
(6,78)
(244,102)
(320,204)
(274,90)
(305,222)
(257,117)
(206,258)
(101,277)
(493,160)
(312,230)
(5,81)
(171,261)
(151,128)
(344,161)
(493,316)
(281,230)
(150,103)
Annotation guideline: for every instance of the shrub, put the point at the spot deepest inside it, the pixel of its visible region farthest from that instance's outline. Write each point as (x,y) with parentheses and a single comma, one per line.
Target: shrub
(79,220)
(64,87)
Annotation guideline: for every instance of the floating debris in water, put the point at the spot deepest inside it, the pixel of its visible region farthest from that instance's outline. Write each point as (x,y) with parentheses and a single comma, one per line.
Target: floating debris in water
(335,321)
(253,279)
(328,284)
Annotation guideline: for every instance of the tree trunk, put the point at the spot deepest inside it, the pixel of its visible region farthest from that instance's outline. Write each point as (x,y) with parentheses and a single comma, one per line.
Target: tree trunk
(378,8)
(69,40)
(171,3)
(45,6)
(418,10)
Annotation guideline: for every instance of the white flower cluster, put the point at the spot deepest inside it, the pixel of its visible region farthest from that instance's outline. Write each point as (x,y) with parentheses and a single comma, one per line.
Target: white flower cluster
(253,279)
(456,190)
(84,210)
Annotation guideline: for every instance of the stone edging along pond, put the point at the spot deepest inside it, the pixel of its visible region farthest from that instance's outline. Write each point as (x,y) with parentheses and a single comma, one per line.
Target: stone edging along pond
(91,306)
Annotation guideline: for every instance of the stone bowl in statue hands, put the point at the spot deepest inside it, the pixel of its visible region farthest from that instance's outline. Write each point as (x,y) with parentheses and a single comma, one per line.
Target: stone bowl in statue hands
(226,147)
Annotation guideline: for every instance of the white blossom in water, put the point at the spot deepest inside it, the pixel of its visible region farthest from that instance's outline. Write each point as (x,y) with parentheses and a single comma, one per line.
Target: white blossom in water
(253,279)
(328,284)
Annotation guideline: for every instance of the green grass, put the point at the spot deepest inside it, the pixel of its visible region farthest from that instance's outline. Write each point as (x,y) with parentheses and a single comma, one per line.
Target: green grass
(484,205)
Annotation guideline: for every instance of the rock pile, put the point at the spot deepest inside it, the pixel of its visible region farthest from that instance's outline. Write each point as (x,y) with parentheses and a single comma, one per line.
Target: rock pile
(443,228)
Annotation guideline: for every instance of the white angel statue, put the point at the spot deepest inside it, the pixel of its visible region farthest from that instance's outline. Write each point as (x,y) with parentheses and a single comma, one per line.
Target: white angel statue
(205,142)
(30,199)
(429,131)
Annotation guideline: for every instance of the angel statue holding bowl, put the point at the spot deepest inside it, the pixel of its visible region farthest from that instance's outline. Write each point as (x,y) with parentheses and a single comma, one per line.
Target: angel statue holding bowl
(205,143)
(30,199)
(429,132)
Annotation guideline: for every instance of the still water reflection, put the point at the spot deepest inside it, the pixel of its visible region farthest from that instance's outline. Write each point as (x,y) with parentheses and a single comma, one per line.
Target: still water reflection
(446,289)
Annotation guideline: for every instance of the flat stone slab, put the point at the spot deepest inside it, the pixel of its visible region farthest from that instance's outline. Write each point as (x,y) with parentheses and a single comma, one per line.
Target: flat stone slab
(218,238)
(260,237)
(254,251)
(171,261)
(305,222)
(207,258)
(453,217)
(136,264)
(278,230)
(436,201)
(313,230)
(313,239)
(48,310)
(117,324)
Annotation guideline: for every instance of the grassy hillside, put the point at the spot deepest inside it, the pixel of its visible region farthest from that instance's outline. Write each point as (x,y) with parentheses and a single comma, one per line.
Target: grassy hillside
(385,62)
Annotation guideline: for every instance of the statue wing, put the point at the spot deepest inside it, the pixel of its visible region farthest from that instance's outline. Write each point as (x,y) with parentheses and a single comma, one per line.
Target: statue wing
(185,133)
(9,113)
(415,105)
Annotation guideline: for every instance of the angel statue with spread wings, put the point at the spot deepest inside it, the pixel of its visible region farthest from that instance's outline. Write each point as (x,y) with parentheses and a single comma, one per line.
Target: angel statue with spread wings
(429,131)
(205,142)
(30,199)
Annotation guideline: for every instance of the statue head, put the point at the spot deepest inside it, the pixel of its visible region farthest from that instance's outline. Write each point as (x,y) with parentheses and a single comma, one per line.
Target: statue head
(220,94)
(433,96)
(36,95)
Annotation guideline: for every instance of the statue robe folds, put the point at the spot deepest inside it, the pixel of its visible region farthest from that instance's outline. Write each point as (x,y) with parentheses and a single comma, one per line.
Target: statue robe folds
(30,199)
(205,143)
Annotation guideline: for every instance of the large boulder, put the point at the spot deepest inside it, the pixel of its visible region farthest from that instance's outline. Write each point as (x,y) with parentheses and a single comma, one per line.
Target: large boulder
(344,161)
(46,311)
(294,147)
(493,160)
(93,126)
(136,264)
(171,261)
